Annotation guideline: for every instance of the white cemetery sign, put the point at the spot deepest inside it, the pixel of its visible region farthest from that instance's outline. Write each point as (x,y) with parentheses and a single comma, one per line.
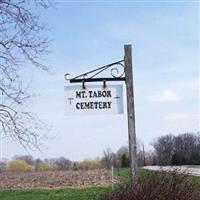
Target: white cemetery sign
(94,99)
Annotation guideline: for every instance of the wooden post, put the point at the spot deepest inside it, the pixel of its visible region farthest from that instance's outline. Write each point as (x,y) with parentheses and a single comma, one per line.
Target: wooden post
(112,176)
(144,155)
(131,112)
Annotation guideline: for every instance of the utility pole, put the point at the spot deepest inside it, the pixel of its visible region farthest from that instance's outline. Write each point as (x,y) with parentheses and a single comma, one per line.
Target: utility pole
(131,112)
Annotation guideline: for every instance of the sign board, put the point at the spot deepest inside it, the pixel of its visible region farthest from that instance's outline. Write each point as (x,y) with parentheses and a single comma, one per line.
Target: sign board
(94,99)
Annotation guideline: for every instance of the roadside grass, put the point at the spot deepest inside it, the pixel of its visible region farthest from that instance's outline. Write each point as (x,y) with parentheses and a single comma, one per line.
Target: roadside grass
(55,194)
(124,173)
(192,166)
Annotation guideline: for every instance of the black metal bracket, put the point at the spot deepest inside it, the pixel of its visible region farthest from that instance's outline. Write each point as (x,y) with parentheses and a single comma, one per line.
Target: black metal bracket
(117,74)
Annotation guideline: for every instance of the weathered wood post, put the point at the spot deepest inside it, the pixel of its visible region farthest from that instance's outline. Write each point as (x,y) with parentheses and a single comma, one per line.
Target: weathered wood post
(131,112)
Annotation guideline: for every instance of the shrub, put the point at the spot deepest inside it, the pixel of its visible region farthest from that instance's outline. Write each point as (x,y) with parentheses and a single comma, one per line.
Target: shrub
(158,186)
(19,166)
(87,165)
(44,166)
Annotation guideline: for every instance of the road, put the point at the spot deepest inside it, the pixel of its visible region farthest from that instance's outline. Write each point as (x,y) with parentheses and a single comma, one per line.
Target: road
(181,169)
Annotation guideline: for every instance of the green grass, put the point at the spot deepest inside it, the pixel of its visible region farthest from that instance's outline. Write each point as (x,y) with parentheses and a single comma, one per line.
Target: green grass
(55,194)
(124,173)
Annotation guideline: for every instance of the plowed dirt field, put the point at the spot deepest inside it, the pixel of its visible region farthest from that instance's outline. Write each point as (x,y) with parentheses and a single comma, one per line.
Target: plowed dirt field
(55,179)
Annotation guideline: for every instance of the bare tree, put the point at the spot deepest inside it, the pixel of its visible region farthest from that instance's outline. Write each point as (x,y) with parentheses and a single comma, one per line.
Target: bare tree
(123,157)
(63,163)
(3,165)
(186,149)
(22,44)
(183,149)
(109,158)
(164,149)
(123,150)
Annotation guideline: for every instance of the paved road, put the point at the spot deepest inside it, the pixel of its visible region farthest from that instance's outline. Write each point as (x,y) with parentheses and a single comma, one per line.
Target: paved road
(181,169)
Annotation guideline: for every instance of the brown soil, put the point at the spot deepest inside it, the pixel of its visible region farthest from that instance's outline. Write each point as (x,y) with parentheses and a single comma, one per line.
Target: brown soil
(55,179)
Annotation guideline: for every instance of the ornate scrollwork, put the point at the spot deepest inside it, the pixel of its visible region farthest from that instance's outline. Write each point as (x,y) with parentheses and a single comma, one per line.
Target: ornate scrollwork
(67,76)
(116,70)
(116,73)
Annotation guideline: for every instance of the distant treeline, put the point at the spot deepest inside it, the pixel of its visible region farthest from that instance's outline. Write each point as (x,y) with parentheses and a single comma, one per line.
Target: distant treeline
(182,149)
(27,163)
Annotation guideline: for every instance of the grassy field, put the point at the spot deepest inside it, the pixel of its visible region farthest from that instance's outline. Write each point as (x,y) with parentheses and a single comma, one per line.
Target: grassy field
(58,194)
(69,194)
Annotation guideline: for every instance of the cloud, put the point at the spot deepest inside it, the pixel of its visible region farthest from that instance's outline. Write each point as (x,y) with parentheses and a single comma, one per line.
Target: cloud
(165,95)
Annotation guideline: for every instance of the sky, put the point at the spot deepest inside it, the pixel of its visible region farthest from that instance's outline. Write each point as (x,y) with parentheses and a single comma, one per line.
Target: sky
(86,35)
